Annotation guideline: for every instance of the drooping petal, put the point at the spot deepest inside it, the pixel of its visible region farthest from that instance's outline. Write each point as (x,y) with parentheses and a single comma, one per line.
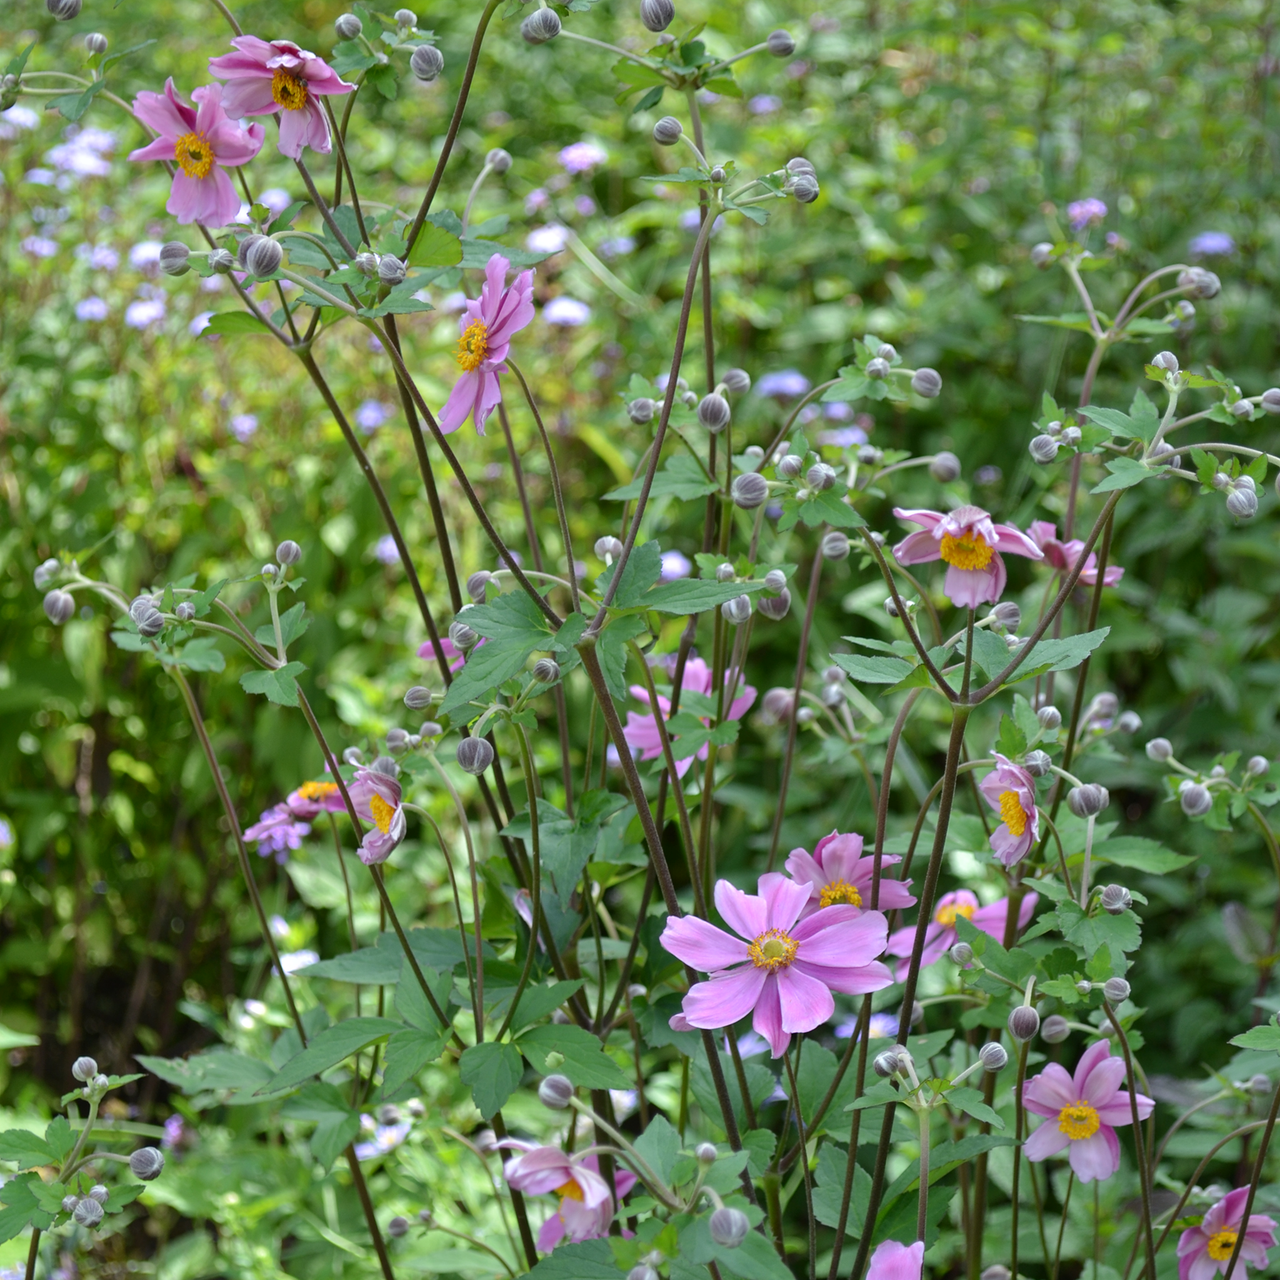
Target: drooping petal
(551,1233)
(968,588)
(490,394)
(917,548)
(767,1021)
(920,516)
(1047,1141)
(168,116)
(1015,541)
(539,1171)
(461,403)
(702,945)
(1096,1158)
(745,913)
(725,999)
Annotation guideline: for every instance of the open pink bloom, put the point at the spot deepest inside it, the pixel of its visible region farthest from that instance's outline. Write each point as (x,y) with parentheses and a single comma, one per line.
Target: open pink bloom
(314,798)
(970,545)
(202,142)
(487,326)
(1065,555)
(1203,1251)
(895,1261)
(642,733)
(264,78)
(377,800)
(1011,791)
(941,936)
(452,654)
(837,872)
(786,969)
(586,1207)
(1085,1109)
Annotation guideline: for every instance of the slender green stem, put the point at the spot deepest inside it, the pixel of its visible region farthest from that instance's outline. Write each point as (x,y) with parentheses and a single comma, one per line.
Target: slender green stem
(922,1208)
(1062,1226)
(1144,1172)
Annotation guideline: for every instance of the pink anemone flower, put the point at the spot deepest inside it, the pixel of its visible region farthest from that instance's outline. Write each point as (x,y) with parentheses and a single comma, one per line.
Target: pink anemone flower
(1064,556)
(454,656)
(969,544)
(1087,1108)
(314,798)
(895,1261)
(642,734)
(1206,1249)
(487,326)
(586,1207)
(268,77)
(780,968)
(941,935)
(377,800)
(837,872)
(202,142)
(1011,791)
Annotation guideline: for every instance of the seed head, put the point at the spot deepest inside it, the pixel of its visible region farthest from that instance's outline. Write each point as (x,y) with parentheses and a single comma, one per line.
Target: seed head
(776,607)
(427,62)
(729,1227)
(926,383)
(641,411)
(1024,1022)
(1116,990)
(175,258)
(498,160)
(713,412)
(737,610)
(945,467)
(749,490)
(59,606)
(657,15)
(736,380)
(540,26)
(546,671)
(993,1056)
(555,1092)
(1159,750)
(147,1163)
(475,755)
(1088,801)
(1043,449)
(780,44)
(348,26)
(1195,798)
(1115,899)
(835,545)
(1055,1029)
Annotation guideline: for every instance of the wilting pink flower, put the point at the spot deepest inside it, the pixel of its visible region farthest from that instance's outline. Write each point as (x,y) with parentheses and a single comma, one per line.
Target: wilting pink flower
(487,326)
(970,545)
(786,969)
(1011,791)
(277,831)
(1205,1250)
(1064,556)
(837,872)
(586,1207)
(1086,1108)
(202,142)
(314,798)
(265,78)
(940,936)
(642,734)
(895,1261)
(377,800)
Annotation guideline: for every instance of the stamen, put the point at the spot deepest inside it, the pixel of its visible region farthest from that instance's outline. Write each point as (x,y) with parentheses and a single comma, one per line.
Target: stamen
(317,790)
(946,915)
(1078,1121)
(194,155)
(1221,1244)
(1012,814)
(773,950)
(383,813)
(569,1191)
(473,346)
(288,91)
(968,551)
(840,891)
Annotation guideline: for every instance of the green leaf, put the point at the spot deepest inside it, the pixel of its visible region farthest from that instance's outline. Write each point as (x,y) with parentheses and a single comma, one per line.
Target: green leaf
(970,1102)
(74,105)
(493,1071)
(990,652)
(1140,854)
(22,1207)
(613,652)
(537,1001)
(695,595)
(280,685)
(1120,933)
(60,1138)
(513,627)
(337,1124)
(828,1191)
(399,301)
(585,1061)
(659,1144)
(436,246)
(201,654)
(1012,741)
(873,670)
(371,965)
(589,1260)
(829,507)
(350,57)
(233,322)
(1125,473)
(682,477)
(1266,1038)
(407,1053)
(27,1148)
(640,572)
(1060,655)
(384,79)
(216,1069)
(877,1096)
(330,1047)
(1071,320)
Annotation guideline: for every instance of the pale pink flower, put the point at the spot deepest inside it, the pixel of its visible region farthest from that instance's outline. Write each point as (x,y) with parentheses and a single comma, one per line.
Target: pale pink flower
(454,656)
(1204,1250)
(1084,1110)
(1011,791)
(940,935)
(642,733)
(586,1206)
(969,544)
(487,326)
(780,968)
(314,798)
(376,798)
(276,832)
(201,142)
(837,872)
(1064,556)
(264,78)
(895,1261)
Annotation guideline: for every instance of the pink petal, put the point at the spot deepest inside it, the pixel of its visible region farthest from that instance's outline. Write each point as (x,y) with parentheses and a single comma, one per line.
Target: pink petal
(968,588)
(697,676)
(539,1171)
(1202,1267)
(916,548)
(462,401)
(641,732)
(1050,1091)
(725,999)
(1103,1082)
(490,394)
(767,1021)
(1042,531)
(784,900)
(595,1190)
(1096,1053)
(1096,1158)
(894,894)
(1010,849)
(702,945)
(740,705)
(551,1234)
(920,516)
(514,310)
(160,149)
(806,1002)
(1118,1111)
(744,913)
(849,980)
(1015,541)
(233,145)
(1047,1141)
(248,97)
(804,870)
(210,200)
(163,113)
(842,935)
(895,1261)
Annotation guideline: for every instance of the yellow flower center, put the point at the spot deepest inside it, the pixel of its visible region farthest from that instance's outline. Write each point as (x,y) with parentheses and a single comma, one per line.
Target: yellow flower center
(840,891)
(194,155)
(946,916)
(383,813)
(473,346)
(1077,1121)
(317,790)
(1221,1243)
(288,91)
(1012,813)
(569,1191)
(773,950)
(968,551)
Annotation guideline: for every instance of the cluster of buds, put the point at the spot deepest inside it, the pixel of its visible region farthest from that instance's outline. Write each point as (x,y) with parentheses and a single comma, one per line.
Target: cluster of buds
(1044,447)
(1196,791)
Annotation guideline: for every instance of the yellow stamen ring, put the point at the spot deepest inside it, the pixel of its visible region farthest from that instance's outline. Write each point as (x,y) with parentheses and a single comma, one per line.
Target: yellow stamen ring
(288,91)
(968,551)
(194,155)
(383,813)
(1012,814)
(473,346)
(946,915)
(773,950)
(840,891)
(1078,1121)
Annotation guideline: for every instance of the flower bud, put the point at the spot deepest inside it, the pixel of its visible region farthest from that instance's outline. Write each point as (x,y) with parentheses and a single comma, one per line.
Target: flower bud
(147,1163)
(749,490)
(736,380)
(555,1091)
(59,606)
(478,583)
(885,1064)
(996,1271)
(776,607)
(1195,799)
(798,164)
(1055,1029)
(540,26)
(1089,800)
(546,671)
(391,271)
(1271,400)
(348,26)
(689,399)
(1007,614)
(463,636)
(353,755)
(406,18)
(99,1193)
(1043,449)
(221,262)
(1159,749)
(778,704)
(729,1227)
(175,258)
(475,755)
(1050,717)
(96,43)
(1257,766)
(366,263)
(1199,283)
(780,44)
(1241,409)
(398,1227)
(1259,1084)
(1115,899)
(804,186)
(1041,254)
(643,1271)
(713,412)
(88,1213)
(1165,360)
(657,15)
(1116,990)
(641,411)
(385,765)
(427,62)
(261,256)
(926,383)
(1242,503)
(69,1203)
(706,1153)
(835,545)
(993,1056)
(608,548)
(1217,771)
(666,133)
(1024,1022)
(498,160)
(961,954)
(64,11)
(46,572)
(1037,763)
(418,698)
(725,572)
(84,1069)
(737,610)
(820,476)
(397,739)
(945,467)
(877,368)
(790,466)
